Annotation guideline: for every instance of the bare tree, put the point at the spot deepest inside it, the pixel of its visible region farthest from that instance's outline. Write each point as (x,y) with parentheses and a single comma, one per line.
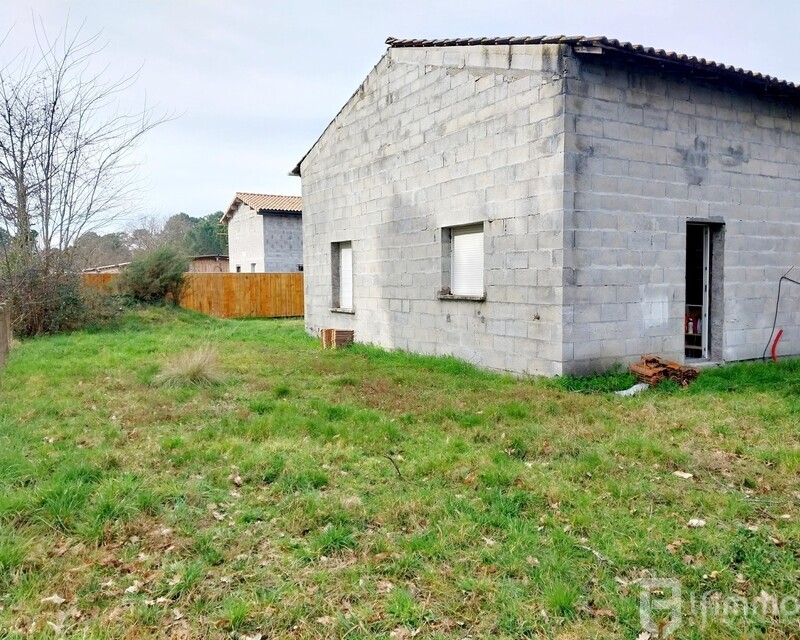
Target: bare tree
(66,161)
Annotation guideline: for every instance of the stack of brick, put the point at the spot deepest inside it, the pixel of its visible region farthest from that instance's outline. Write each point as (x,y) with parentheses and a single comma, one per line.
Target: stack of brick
(336,338)
(652,370)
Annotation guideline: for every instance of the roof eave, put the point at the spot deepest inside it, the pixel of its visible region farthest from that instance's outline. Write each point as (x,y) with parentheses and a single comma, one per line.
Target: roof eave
(263,212)
(229,211)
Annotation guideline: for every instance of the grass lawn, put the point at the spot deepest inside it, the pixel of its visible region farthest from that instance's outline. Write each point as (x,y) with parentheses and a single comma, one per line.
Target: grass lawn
(361,493)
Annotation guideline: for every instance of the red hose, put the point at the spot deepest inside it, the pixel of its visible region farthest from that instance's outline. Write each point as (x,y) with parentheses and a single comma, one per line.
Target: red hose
(775,346)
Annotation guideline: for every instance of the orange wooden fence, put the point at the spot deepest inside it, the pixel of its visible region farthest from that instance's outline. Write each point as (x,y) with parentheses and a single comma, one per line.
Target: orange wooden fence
(231,295)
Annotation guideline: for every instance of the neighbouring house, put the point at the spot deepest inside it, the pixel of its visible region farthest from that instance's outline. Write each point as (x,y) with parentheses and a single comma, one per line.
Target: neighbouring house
(555,205)
(209,264)
(197,264)
(265,233)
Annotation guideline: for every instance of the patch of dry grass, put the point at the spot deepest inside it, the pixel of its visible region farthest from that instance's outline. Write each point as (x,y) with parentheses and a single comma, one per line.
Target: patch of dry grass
(198,367)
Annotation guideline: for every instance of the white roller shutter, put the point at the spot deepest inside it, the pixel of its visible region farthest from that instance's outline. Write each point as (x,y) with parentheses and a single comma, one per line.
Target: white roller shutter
(345,275)
(467,261)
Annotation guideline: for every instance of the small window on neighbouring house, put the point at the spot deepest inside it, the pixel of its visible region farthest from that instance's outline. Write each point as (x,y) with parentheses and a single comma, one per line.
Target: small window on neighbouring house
(462,254)
(342,275)
(252,267)
(238,268)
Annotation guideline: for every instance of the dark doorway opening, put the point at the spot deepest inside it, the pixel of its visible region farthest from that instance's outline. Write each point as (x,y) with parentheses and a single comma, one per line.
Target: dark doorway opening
(703,316)
(698,272)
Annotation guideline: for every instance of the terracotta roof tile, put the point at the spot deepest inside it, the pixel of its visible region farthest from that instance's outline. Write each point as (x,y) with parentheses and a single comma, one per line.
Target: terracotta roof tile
(264,202)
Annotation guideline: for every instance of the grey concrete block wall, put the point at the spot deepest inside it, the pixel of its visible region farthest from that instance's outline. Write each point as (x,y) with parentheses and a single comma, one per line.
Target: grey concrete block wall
(584,174)
(268,242)
(283,242)
(433,139)
(646,153)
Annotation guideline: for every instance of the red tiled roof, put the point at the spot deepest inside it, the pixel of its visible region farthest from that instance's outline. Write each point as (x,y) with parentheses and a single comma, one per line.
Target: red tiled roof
(264,202)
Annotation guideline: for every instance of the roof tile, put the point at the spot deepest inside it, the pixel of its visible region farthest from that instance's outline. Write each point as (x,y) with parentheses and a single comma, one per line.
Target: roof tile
(264,202)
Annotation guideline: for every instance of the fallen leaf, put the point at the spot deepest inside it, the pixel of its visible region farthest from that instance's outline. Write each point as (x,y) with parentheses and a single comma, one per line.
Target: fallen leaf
(54,599)
(134,588)
(384,586)
(672,547)
(683,475)
(401,633)
(696,523)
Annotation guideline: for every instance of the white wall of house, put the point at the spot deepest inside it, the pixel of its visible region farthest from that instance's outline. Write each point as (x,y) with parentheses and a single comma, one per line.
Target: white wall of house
(246,240)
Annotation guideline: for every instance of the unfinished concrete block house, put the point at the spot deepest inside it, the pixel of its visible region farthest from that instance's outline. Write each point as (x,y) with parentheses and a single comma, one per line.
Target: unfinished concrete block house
(265,233)
(554,205)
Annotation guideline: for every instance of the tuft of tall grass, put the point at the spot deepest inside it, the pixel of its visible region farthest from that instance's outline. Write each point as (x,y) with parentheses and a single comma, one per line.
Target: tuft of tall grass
(199,367)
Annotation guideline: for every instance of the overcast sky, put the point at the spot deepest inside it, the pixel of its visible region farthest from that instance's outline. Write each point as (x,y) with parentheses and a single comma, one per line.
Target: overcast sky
(256,82)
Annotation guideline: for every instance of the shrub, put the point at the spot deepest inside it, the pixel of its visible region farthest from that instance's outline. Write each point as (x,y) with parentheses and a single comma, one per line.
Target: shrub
(156,276)
(43,301)
(199,367)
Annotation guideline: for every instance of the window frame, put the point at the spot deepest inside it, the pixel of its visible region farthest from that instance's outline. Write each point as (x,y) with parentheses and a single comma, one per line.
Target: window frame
(337,281)
(449,262)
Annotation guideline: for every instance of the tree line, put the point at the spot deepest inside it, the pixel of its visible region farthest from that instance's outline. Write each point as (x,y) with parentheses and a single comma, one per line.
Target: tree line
(187,235)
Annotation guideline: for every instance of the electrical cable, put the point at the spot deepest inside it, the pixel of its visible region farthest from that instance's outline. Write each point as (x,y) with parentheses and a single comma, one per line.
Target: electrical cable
(777,305)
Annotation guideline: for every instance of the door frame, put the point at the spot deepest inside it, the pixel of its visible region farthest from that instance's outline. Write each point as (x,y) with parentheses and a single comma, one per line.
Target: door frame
(713,298)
